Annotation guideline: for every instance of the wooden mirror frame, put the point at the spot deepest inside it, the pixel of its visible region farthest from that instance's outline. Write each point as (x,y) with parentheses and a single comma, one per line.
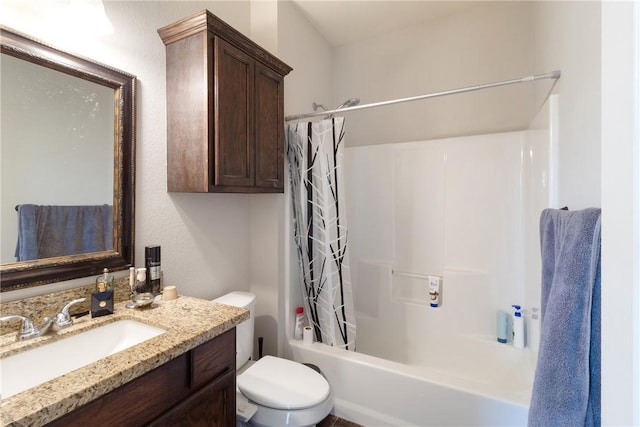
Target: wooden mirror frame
(25,274)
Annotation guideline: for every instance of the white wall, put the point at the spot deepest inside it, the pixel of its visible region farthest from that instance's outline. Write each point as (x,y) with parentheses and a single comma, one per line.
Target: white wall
(297,43)
(204,237)
(311,57)
(567,37)
(486,43)
(621,213)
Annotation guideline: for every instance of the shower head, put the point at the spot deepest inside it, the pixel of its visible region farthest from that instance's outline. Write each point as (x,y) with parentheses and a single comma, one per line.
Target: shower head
(316,106)
(351,102)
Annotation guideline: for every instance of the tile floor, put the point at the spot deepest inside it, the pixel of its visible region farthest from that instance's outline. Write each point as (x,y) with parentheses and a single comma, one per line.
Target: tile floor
(333,421)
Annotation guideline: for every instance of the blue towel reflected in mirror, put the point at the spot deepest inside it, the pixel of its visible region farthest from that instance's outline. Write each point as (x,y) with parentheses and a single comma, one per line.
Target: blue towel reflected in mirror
(52,231)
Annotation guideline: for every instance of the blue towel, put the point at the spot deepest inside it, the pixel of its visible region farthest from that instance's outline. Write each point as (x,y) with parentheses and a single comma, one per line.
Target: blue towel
(566,389)
(52,231)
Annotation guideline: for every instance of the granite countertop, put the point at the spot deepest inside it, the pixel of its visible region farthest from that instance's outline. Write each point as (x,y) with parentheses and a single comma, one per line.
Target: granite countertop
(188,321)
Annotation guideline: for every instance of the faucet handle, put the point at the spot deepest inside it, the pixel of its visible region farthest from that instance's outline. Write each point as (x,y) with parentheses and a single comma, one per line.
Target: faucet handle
(26,328)
(63,318)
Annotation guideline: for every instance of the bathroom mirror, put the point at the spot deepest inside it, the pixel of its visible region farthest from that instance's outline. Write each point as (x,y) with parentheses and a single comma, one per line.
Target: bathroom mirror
(94,167)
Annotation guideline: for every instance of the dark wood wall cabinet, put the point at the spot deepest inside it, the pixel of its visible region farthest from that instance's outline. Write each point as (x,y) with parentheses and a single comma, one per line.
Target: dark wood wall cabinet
(225,113)
(194,389)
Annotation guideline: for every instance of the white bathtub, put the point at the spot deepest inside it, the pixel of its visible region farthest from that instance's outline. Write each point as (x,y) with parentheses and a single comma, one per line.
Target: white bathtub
(376,392)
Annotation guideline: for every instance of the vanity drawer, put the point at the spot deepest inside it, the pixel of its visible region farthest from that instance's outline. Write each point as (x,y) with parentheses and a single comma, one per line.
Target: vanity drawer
(213,359)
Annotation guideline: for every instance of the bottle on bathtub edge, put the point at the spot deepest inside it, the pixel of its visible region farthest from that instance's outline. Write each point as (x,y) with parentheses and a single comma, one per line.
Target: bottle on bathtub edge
(299,324)
(502,325)
(518,328)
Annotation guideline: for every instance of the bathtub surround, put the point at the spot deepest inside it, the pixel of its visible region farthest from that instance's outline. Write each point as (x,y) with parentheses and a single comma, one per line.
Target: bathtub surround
(459,208)
(315,158)
(566,390)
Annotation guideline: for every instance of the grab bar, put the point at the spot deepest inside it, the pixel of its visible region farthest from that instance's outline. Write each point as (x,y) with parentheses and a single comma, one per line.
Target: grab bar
(409,274)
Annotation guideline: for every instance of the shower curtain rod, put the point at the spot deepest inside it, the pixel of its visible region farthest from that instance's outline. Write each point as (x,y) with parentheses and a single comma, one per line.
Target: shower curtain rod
(552,75)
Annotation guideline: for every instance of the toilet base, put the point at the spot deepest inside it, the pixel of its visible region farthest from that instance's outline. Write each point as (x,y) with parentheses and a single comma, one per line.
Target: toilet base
(269,417)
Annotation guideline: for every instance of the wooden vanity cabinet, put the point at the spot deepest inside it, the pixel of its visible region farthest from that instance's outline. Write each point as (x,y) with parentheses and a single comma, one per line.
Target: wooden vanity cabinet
(196,388)
(225,109)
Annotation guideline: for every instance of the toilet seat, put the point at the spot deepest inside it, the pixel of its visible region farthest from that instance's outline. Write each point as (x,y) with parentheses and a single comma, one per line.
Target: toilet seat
(263,383)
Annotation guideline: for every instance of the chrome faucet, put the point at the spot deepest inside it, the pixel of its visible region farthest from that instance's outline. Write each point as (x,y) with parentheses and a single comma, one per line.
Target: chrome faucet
(63,318)
(28,329)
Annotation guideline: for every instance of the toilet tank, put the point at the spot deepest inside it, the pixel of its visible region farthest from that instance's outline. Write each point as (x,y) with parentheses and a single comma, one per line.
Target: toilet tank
(244,331)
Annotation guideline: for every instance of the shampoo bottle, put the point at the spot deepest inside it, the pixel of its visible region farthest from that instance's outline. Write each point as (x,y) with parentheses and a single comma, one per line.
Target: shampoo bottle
(299,326)
(502,323)
(518,328)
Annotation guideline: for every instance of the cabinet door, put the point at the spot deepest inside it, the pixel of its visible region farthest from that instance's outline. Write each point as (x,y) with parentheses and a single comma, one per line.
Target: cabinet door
(269,129)
(233,98)
(213,405)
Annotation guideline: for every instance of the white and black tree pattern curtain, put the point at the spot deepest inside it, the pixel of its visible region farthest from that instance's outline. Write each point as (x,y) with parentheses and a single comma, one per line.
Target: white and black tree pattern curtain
(315,152)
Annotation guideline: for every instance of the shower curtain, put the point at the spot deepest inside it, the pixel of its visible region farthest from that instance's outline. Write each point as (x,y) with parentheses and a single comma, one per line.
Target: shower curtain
(315,153)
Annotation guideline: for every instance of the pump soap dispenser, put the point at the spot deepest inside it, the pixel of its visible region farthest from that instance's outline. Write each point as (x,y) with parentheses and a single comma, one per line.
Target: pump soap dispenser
(518,328)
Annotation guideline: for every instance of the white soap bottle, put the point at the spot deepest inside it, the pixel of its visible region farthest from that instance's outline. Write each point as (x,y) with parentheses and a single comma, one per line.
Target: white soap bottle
(518,328)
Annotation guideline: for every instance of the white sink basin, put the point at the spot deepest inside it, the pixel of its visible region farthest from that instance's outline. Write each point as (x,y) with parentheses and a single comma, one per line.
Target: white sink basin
(30,368)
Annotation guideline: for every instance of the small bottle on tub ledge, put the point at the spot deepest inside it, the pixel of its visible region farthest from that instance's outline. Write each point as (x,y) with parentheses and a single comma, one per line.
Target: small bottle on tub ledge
(502,321)
(518,328)
(299,325)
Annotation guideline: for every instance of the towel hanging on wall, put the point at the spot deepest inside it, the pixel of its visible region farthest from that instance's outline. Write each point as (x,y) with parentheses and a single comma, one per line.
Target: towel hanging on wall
(566,389)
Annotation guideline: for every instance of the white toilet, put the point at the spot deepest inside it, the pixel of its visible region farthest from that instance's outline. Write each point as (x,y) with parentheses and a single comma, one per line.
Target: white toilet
(273,391)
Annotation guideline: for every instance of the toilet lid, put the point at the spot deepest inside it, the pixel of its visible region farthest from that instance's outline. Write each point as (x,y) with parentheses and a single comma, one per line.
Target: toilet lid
(283,384)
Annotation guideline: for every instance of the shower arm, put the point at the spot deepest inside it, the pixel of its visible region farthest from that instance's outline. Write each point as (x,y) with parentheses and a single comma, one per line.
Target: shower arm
(555,75)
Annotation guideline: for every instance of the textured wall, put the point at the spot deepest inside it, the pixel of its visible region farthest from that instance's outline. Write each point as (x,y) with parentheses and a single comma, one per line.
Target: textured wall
(204,237)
